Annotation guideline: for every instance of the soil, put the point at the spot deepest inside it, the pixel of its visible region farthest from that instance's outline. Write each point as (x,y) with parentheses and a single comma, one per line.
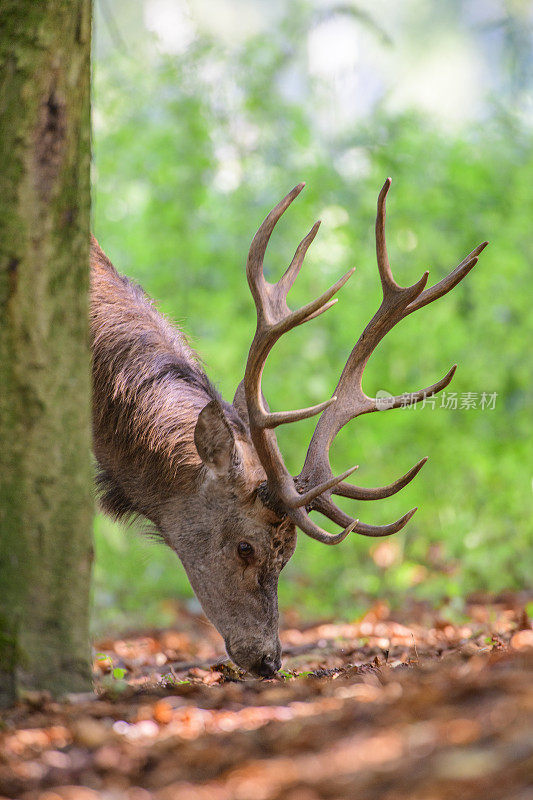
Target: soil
(408,706)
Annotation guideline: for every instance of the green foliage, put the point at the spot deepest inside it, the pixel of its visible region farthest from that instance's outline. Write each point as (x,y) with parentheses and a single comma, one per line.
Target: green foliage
(136,581)
(190,154)
(117,673)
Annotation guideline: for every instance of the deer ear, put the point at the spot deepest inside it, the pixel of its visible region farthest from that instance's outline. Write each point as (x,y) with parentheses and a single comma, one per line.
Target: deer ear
(239,403)
(214,439)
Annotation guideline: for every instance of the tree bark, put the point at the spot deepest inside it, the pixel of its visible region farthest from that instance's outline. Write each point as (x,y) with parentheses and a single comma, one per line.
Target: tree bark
(46,505)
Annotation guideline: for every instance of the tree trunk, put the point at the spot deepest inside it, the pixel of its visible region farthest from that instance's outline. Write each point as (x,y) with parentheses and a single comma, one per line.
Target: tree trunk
(45,464)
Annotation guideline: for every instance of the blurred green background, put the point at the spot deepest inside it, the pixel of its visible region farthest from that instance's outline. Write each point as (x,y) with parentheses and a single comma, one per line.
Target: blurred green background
(205,114)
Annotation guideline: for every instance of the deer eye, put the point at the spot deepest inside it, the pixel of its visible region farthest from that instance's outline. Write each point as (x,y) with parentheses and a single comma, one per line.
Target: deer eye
(245,550)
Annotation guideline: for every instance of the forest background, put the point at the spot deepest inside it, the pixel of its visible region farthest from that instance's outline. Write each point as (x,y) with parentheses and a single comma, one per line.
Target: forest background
(205,114)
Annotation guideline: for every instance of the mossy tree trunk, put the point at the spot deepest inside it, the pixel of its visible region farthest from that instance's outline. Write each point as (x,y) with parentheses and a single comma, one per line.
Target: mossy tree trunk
(45,464)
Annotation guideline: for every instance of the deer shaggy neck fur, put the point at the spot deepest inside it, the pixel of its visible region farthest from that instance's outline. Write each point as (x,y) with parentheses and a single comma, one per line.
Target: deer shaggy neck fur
(148,390)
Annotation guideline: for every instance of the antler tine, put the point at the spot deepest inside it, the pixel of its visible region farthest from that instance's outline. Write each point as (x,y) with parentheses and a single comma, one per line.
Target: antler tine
(287,280)
(449,282)
(399,400)
(303,521)
(320,311)
(312,309)
(387,281)
(378,493)
(325,506)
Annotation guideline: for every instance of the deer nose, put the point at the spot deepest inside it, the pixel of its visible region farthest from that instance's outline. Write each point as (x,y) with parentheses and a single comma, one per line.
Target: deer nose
(268,666)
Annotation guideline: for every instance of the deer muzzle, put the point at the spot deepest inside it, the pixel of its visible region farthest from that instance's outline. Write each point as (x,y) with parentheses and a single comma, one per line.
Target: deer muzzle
(257,661)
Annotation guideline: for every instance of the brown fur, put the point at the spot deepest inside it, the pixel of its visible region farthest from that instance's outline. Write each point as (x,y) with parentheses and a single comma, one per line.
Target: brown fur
(148,389)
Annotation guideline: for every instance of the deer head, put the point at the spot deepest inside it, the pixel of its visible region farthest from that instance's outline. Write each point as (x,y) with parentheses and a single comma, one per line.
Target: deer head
(234,528)
(232,545)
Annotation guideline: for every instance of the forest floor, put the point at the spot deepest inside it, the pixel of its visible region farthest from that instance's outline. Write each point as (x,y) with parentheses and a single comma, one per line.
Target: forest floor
(395,706)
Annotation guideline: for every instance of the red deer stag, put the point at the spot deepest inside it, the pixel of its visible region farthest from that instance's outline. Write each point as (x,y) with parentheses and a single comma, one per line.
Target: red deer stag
(209,474)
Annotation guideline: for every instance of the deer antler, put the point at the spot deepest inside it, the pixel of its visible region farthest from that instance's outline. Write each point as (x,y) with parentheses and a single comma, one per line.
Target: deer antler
(313,487)
(274,318)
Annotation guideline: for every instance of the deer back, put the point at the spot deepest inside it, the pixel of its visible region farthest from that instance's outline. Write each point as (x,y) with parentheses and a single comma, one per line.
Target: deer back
(148,390)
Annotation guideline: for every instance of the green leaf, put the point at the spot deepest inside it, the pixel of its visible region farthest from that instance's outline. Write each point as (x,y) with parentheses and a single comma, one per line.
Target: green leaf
(119,673)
